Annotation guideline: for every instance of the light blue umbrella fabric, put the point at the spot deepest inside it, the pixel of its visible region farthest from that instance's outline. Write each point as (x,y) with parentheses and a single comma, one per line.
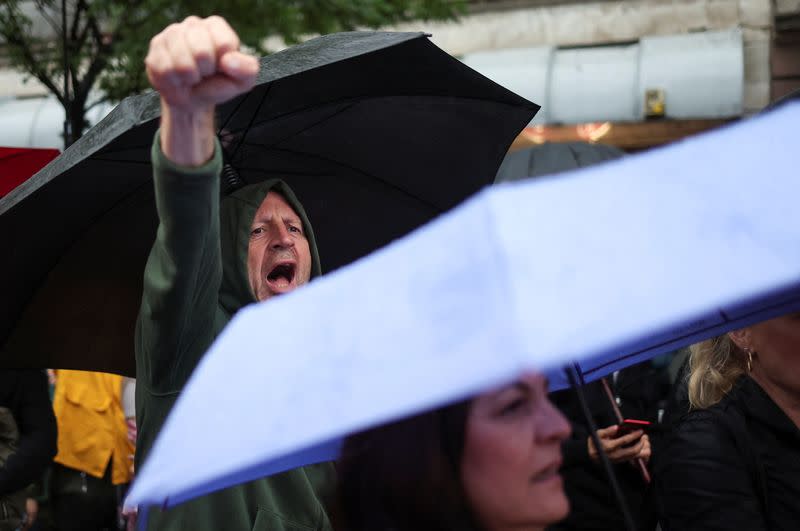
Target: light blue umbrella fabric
(607,266)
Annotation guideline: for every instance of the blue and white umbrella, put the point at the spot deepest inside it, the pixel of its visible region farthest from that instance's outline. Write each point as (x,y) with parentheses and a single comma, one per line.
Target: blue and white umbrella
(606,266)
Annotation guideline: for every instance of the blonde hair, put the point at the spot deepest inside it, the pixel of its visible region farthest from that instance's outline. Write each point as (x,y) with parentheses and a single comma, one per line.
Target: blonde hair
(714,366)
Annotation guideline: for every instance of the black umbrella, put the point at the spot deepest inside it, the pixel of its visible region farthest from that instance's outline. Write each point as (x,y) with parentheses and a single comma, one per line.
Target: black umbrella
(377,133)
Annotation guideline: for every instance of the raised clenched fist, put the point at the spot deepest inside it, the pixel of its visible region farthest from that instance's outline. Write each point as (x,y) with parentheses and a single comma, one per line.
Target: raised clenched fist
(197,64)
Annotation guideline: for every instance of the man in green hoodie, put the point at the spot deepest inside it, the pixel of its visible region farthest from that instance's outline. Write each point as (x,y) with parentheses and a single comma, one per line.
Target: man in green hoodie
(210,259)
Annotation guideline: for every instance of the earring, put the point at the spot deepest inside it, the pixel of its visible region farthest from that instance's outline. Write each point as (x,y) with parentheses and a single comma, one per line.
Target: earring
(749,359)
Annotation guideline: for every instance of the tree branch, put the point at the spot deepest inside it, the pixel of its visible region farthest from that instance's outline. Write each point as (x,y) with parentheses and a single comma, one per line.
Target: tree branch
(78,42)
(94,70)
(54,24)
(81,39)
(76,17)
(31,63)
(98,62)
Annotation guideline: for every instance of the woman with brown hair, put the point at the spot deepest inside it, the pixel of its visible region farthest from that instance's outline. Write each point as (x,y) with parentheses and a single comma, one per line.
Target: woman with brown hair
(734,460)
(489,463)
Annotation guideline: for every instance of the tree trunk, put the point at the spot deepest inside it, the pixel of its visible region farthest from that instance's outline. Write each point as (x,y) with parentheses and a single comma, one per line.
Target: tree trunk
(75,116)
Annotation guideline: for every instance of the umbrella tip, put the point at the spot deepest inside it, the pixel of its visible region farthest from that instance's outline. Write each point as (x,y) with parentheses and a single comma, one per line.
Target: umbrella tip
(231,181)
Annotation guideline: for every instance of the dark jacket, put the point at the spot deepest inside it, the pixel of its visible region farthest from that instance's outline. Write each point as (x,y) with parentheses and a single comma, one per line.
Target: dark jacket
(735,465)
(592,502)
(195,280)
(27,438)
(25,395)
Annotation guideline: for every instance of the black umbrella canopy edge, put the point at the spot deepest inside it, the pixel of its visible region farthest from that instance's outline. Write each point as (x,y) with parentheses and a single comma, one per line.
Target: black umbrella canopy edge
(128,113)
(328,49)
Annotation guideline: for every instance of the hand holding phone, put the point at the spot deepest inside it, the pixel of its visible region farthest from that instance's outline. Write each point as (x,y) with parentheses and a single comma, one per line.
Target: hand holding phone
(621,447)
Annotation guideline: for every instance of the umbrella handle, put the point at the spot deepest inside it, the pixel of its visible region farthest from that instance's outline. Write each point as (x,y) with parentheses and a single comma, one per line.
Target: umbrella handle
(640,464)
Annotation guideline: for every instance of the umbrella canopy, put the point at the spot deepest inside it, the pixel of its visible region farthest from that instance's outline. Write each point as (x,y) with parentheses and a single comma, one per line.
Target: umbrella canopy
(624,260)
(552,158)
(17,164)
(376,133)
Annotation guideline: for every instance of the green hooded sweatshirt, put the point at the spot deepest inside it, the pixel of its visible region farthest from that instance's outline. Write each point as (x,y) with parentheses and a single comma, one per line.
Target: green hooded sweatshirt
(194,281)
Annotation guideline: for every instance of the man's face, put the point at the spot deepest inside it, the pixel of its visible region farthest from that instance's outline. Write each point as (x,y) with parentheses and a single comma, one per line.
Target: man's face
(278,257)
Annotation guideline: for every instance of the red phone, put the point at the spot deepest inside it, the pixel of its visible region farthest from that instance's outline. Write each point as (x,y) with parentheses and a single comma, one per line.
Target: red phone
(629,425)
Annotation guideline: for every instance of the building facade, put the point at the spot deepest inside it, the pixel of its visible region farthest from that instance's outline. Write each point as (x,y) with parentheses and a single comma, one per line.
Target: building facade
(634,73)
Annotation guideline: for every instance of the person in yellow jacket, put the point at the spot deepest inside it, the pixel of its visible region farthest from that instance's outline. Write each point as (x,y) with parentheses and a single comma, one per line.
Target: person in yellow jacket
(95,454)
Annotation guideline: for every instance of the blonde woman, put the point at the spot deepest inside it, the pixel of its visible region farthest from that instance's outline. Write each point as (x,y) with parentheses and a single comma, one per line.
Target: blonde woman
(734,460)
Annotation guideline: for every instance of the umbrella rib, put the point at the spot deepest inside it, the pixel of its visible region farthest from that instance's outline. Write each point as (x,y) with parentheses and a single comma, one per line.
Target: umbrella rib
(349,102)
(366,97)
(79,234)
(230,115)
(434,208)
(725,319)
(122,161)
(310,126)
(357,99)
(252,119)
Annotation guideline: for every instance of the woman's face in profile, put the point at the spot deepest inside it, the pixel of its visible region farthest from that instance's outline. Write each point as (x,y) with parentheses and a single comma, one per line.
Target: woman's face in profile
(512,455)
(776,344)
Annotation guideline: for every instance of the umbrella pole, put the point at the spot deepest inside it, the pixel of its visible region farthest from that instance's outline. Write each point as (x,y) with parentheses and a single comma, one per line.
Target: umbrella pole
(141,517)
(576,381)
(618,414)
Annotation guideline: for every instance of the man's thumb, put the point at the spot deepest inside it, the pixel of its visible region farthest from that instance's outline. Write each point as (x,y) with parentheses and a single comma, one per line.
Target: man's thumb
(238,65)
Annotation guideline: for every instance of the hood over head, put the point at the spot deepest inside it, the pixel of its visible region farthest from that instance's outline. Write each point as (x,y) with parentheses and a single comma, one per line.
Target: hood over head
(237,211)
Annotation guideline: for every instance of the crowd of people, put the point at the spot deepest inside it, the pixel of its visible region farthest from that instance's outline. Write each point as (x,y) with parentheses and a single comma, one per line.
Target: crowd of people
(720,452)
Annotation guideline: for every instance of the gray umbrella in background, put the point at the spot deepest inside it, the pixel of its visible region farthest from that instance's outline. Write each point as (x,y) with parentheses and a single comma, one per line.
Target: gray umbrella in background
(551,158)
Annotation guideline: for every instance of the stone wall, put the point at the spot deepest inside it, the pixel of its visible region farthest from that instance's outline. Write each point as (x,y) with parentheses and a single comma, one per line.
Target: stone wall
(617,21)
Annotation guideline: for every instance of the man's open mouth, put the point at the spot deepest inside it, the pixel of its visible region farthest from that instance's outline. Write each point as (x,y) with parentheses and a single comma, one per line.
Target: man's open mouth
(282,275)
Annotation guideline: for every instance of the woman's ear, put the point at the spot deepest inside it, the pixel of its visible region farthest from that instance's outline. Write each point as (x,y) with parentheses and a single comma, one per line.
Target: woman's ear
(741,338)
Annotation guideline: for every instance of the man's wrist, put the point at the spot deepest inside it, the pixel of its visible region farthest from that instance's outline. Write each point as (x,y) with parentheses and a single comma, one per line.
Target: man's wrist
(187,136)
